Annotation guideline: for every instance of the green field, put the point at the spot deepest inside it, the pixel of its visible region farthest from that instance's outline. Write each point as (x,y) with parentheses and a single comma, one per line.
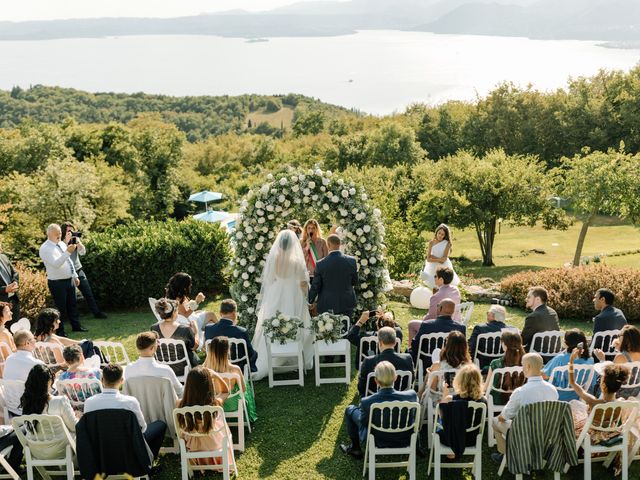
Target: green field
(299,429)
(282,117)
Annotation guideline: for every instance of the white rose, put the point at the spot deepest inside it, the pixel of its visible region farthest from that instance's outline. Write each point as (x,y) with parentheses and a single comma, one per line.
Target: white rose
(372,260)
(260,213)
(269,208)
(320,323)
(245,276)
(239,235)
(329,327)
(302,177)
(363,285)
(377,212)
(294,178)
(359,231)
(364,197)
(243,262)
(314,197)
(251,310)
(275,322)
(278,208)
(287,203)
(340,181)
(285,329)
(364,262)
(249,229)
(271,216)
(363,239)
(297,200)
(251,269)
(281,198)
(325,207)
(306,191)
(269,177)
(245,244)
(343,212)
(358,254)
(295,188)
(259,246)
(352,191)
(312,184)
(283,181)
(243,298)
(367,271)
(236,273)
(305,199)
(328,173)
(325,182)
(323,189)
(366,228)
(354,211)
(335,199)
(344,193)
(321,329)
(245,284)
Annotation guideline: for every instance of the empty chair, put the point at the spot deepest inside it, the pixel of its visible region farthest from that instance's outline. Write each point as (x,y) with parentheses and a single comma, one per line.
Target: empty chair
(277,352)
(340,348)
(547,344)
(466,310)
(404,381)
(174,353)
(112,352)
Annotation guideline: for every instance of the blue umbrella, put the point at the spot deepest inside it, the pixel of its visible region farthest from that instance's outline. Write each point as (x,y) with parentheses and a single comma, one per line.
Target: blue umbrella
(212,216)
(205,197)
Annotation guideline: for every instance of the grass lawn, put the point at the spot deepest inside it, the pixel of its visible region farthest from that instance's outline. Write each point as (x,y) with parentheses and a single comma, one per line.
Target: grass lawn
(299,429)
(513,245)
(282,117)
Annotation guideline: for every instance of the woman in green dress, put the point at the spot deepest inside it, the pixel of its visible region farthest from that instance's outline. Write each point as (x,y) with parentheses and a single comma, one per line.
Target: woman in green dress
(513,353)
(218,361)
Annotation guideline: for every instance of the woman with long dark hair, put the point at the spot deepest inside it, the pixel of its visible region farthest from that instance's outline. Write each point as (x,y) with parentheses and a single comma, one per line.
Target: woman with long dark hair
(573,339)
(179,289)
(454,354)
(513,353)
(438,256)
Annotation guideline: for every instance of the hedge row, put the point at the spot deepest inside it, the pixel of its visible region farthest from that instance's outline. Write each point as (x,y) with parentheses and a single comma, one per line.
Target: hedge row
(571,290)
(132,262)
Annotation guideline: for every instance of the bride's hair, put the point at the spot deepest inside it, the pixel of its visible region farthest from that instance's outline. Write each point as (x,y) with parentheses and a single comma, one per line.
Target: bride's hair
(312,221)
(285,240)
(447,232)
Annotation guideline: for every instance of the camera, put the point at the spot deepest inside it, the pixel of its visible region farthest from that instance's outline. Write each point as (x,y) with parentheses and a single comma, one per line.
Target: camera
(74,238)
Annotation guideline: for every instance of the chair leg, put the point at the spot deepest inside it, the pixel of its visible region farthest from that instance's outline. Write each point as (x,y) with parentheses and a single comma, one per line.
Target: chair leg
(491,439)
(372,463)
(502,465)
(478,465)
(625,456)
(69,458)
(587,459)
(316,361)
(347,367)
(300,369)
(437,459)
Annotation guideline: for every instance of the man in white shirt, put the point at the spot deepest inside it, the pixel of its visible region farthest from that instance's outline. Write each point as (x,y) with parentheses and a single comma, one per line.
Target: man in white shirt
(146,365)
(62,277)
(535,390)
(111,398)
(19,364)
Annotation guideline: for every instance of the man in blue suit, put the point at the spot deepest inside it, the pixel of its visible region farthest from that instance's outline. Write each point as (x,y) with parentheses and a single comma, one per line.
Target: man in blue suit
(610,317)
(333,282)
(443,323)
(226,327)
(357,418)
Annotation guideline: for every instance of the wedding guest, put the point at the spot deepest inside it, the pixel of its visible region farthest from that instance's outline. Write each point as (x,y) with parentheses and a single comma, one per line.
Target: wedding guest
(467,385)
(453,356)
(369,325)
(357,418)
(513,353)
(77,370)
(217,361)
(314,246)
(438,256)
(84,286)
(47,324)
(627,343)
(496,316)
(169,327)
(227,327)
(199,390)
(147,366)
(38,400)
(542,317)
(9,284)
(179,289)
(62,277)
(19,364)
(111,398)
(6,337)
(610,317)
(572,339)
(443,279)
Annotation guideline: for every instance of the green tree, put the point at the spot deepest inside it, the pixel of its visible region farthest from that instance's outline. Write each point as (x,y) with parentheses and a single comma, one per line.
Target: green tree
(393,144)
(308,122)
(598,182)
(467,191)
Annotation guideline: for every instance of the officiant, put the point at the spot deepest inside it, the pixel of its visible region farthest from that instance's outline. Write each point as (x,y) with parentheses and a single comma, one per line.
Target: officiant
(313,246)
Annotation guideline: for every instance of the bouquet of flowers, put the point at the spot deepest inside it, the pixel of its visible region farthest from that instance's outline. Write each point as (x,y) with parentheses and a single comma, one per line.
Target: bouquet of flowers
(282,328)
(328,326)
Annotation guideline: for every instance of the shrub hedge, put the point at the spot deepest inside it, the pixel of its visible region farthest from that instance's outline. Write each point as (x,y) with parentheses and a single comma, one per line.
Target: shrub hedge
(34,292)
(132,262)
(571,290)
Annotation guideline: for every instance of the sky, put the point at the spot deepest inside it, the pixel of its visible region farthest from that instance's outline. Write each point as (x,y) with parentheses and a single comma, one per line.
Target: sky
(16,11)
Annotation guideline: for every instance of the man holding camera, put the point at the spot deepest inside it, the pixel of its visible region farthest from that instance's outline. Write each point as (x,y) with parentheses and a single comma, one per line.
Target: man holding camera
(62,277)
(85,286)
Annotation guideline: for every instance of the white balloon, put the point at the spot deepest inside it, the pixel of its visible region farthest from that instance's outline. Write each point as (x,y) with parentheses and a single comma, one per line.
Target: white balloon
(420,297)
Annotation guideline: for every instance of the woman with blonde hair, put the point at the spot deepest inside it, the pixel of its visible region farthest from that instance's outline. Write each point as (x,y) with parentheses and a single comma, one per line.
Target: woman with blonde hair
(438,256)
(314,245)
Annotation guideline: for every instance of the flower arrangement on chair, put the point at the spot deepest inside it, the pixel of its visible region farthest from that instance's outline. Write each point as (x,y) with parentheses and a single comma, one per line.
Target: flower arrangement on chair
(282,328)
(328,327)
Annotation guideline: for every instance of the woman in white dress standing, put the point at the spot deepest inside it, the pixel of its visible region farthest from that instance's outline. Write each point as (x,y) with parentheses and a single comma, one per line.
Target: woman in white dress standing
(438,256)
(285,284)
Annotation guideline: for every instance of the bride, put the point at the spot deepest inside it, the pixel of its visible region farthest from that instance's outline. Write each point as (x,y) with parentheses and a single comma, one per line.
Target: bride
(285,283)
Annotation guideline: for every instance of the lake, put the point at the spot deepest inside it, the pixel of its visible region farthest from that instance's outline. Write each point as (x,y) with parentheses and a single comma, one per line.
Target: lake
(374,71)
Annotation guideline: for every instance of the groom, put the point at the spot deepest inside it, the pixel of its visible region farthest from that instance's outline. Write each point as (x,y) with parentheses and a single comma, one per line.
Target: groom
(335,276)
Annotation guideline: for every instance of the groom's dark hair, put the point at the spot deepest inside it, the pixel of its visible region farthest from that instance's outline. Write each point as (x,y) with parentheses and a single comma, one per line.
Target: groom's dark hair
(228,306)
(334,240)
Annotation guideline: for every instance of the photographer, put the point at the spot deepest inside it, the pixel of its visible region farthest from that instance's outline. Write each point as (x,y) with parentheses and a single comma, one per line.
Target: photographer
(84,285)
(368,324)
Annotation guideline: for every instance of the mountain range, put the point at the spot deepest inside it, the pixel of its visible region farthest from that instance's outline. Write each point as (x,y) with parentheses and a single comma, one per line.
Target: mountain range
(603,20)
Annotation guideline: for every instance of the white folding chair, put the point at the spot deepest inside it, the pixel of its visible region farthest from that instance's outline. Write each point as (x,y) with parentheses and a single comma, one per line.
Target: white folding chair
(426,345)
(196,416)
(547,344)
(47,443)
(239,418)
(290,350)
(174,352)
(583,376)
(112,352)
(631,388)
(238,355)
(433,390)
(612,417)
(488,345)
(604,341)
(11,391)
(152,305)
(498,385)
(11,473)
(340,348)
(476,424)
(404,381)
(45,351)
(392,418)
(77,390)
(466,310)
(369,347)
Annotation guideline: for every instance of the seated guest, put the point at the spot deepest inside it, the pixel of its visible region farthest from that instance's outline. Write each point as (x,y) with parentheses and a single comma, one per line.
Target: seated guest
(386,344)
(5,335)
(357,418)
(199,390)
(443,278)
(8,438)
(535,390)
(76,369)
(111,398)
(572,339)
(610,317)
(369,325)
(47,324)
(443,323)
(627,343)
(169,327)
(218,362)
(513,353)
(227,327)
(453,356)
(147,366)
(496,316)
(19,364)
(37,398)
(541,319)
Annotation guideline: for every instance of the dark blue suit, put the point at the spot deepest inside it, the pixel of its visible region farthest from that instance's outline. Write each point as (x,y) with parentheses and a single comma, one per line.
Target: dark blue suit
(357,418)
(441,324)
(401,361)
(610,318)
(489,327)
(226,328)
(333,282)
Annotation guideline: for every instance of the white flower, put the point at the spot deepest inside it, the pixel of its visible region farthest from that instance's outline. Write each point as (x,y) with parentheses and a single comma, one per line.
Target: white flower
(377,212)
(245,276)
(246,283)
(249,229)
(325,182)
(269,208)
(287,203)
(363,285)
(261,220)
(259,246)
(283,181)
(314,197)
(243,262)
(340,181)
(359,232)
(251,310)
(271,216)
(264,189)
(321,329)
(344,193)
(366,228)
(275,322)
(302,177)
(236,273)
(328,173)
(366,271)
(270,177)
(320,323)
(352,191)
(354,211)
(245,244)
(295,188)
(343,212)
(363,239)
(364,197)
(305,199)
(259,204)
(358,253)
(281,199)
(312,184)
(306,191)
(329,327)
(239,235)
(325,207)
(285,329)
(278,208)
(265,229)
(243,298)
(364,262)
(297,200)
(372,260)
(251,269)
(260,213)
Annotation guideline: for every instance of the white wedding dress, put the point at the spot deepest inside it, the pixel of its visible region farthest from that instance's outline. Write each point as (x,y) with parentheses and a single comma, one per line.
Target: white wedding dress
(429,271)
(282,291)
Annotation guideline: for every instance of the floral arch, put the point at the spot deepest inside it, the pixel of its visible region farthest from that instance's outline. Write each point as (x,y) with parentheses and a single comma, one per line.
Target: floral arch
(310,194)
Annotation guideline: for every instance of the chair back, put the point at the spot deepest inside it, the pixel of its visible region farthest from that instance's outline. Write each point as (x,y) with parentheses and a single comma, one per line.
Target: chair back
(426,345)
(190,421)
(230,379)
(631,388)
(583,376)
(466,310)
(394,418)
(502,382)
(112,352)
(173,352)
(488,346)
(476,419)
(404,381)
(609,418)
(152,305)
(45,351)
(11,391)
(77,390)
(369,346)
(46,435)
(604,341)
(547,344)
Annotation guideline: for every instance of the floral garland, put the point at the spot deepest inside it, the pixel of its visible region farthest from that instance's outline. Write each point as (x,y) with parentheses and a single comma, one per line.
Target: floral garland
(328,327)
(310,194)
(282,328)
